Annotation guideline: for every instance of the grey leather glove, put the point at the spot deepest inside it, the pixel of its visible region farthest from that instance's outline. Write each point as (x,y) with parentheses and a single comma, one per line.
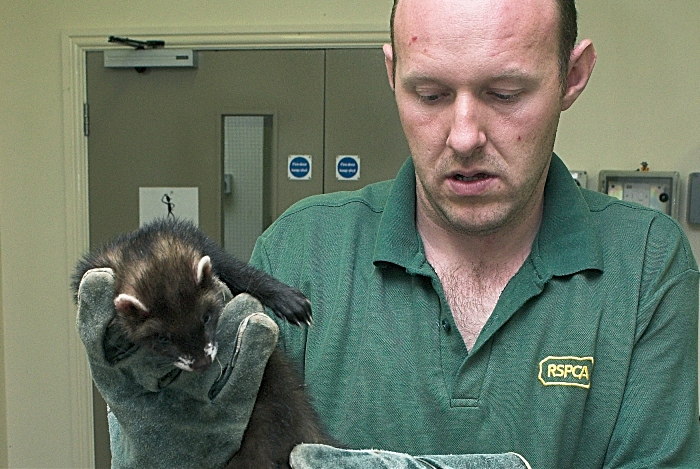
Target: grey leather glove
(322,456)
(161,416)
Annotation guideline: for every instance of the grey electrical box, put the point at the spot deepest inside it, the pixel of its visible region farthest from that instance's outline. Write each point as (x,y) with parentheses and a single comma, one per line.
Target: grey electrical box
(694,198)
(655,189)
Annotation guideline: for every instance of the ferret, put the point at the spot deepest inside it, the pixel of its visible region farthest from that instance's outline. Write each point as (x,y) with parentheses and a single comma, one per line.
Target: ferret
(167,301)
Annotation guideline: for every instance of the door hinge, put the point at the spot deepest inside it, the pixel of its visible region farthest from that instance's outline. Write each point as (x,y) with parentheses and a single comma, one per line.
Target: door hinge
(86,119)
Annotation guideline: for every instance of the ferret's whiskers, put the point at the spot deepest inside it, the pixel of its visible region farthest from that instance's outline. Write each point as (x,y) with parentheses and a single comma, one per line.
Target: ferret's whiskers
(221,368)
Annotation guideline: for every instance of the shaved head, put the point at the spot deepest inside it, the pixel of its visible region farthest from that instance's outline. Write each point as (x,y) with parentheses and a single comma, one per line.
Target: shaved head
(568,30)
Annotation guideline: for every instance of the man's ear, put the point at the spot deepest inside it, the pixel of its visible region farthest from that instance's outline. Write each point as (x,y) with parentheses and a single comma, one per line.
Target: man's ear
(581,65)
(389,62)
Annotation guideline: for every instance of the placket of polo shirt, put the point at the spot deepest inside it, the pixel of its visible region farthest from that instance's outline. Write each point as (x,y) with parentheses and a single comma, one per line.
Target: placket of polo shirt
(470,377)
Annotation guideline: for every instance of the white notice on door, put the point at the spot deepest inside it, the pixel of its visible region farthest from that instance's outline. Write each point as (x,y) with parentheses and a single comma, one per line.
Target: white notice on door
(347,168)
(164,202)
(299,167)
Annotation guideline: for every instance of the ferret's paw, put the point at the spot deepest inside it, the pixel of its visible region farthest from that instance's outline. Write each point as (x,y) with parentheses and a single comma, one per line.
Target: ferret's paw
(294,307)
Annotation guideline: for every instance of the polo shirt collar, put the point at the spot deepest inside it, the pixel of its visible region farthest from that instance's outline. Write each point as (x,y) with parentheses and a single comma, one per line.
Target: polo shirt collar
(566,243)
(568,240)
(398,241)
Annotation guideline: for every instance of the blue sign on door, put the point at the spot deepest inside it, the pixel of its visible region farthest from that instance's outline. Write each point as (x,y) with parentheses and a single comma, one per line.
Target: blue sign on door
(347,167)
(299,167)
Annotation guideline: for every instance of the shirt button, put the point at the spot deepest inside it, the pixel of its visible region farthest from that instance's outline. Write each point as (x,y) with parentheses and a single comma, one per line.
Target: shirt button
(446,326)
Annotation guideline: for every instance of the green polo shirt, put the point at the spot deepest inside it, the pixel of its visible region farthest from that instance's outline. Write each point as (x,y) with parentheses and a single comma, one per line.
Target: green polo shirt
(588,360)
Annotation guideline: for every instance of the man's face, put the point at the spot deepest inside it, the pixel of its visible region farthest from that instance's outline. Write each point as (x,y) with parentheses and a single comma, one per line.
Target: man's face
(479,96)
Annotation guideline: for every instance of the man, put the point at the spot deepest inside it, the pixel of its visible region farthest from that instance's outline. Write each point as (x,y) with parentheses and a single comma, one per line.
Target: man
(481,302)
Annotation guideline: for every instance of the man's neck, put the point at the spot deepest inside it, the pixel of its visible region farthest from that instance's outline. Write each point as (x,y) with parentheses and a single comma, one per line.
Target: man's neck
(474,270)
(509,246)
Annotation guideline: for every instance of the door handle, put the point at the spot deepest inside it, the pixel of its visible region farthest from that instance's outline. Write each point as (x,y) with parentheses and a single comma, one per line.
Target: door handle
(228,184)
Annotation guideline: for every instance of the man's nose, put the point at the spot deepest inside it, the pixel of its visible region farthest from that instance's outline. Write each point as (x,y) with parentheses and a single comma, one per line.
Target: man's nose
(467,131)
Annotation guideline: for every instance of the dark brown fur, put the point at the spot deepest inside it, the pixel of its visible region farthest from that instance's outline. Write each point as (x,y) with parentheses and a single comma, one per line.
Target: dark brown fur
(172,307)
(282,418)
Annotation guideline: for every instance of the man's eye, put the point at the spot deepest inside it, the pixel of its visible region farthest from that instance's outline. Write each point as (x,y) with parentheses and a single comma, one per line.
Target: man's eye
(505,97)
(429,98)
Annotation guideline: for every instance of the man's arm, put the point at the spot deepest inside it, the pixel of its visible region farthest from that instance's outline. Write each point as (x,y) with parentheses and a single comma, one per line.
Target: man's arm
(658,421)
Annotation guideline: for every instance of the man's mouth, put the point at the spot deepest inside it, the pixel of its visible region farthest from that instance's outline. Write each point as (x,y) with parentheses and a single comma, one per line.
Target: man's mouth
(476,177)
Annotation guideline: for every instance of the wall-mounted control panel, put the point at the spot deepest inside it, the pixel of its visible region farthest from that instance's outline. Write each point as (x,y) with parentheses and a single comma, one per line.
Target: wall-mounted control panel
(655,189)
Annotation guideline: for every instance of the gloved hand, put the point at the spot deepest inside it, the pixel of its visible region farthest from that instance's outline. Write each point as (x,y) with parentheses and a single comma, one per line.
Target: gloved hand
(161,416)
(307,456)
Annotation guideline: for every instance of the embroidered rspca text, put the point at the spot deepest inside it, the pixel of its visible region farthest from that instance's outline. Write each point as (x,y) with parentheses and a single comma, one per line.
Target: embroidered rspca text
(566,371)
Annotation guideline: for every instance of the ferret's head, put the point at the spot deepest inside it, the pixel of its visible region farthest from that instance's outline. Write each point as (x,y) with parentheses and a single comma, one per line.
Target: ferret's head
(173,309)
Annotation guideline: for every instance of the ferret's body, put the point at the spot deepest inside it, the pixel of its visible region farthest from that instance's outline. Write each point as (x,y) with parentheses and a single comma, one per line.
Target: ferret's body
(167,299)
(282,418)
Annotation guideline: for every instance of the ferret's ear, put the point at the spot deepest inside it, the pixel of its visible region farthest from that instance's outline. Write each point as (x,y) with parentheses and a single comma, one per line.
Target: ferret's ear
(127,304)
(203,269)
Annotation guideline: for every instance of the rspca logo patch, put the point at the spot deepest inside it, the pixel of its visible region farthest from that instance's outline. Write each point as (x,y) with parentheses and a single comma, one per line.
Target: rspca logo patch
(566,371)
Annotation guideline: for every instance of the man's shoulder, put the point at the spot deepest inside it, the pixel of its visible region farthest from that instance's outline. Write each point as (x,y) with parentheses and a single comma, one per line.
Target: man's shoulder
(626,215)
(326,219)
(320,234)
(630,224)
(371,198)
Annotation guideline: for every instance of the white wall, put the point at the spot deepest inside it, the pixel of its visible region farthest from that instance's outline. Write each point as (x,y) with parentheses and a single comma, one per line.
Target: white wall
(642,104)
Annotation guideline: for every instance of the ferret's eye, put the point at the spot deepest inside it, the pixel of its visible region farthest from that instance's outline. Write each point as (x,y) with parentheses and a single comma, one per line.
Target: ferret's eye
(163,339)
(208,317)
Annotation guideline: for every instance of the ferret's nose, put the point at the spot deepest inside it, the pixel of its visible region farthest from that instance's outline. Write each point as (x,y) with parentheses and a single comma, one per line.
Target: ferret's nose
(201,364)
